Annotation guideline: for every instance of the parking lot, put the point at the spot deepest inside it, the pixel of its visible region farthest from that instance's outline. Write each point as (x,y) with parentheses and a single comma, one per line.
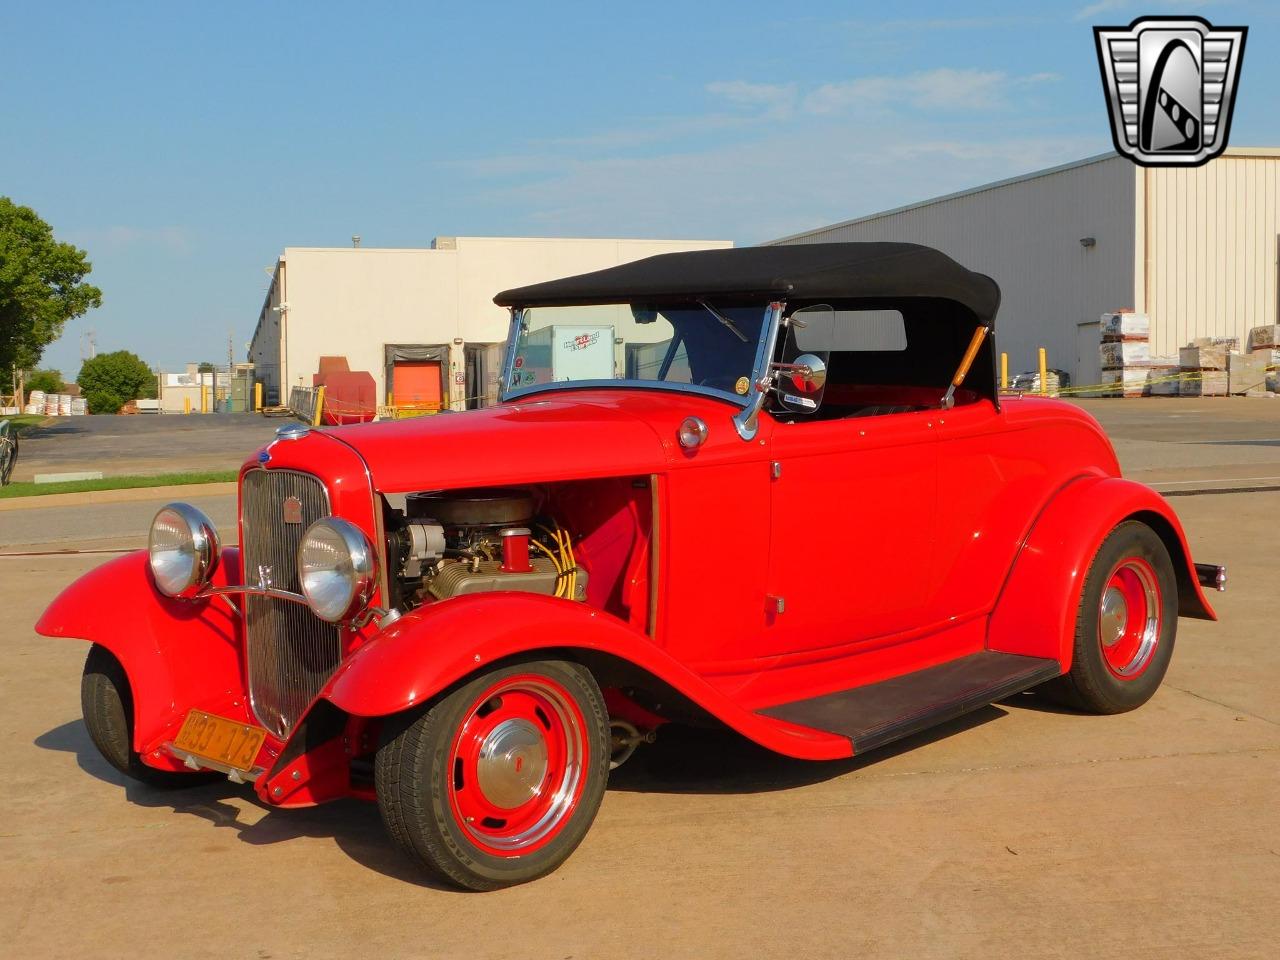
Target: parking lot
(1020,830)
(141,445)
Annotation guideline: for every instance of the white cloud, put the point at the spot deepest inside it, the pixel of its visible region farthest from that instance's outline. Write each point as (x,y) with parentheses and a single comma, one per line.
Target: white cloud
(775,99)
(1101,6)
(943,88)
(121,237)
(750,191)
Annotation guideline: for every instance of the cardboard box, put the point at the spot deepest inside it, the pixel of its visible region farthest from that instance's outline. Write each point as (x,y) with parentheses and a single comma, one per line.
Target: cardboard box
(1124,383)
(1126,325)
(1203,357)
(1247,374)
(1209,383)
(1163,379)
(1124,353)
(1263,338)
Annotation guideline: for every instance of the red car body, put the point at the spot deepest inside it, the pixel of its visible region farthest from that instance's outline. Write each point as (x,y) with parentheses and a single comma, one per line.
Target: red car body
(726,580)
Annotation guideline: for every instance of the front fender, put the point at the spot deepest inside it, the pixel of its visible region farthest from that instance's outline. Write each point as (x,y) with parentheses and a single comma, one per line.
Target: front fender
(1036,610)
(175,652)
(436,645)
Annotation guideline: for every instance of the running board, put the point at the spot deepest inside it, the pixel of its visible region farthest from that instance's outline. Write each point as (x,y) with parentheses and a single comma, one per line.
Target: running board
(879,713)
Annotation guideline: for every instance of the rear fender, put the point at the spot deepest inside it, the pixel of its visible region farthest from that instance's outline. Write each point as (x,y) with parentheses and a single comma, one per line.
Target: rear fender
(1036,610)
(426,651)
(176,653)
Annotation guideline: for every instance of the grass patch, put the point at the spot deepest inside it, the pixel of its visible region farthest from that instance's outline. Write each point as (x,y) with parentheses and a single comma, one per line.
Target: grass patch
(23,422)
(115,483)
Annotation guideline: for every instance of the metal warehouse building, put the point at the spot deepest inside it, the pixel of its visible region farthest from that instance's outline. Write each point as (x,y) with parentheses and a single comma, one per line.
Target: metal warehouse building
(421,321)
(1195,249)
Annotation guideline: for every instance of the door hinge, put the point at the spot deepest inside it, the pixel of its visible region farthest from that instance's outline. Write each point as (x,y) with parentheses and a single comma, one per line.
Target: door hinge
(776,604)
(775,469)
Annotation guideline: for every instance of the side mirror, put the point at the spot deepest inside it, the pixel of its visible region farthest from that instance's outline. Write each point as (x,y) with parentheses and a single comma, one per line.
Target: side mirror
(807,373)
(802,376)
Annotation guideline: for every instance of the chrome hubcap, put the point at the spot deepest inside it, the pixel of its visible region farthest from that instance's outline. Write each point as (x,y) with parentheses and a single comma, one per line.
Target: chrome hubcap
(512,764)
(1113,617)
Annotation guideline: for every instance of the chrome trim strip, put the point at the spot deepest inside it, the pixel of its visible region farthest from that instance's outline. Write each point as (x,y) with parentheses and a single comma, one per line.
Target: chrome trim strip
(253,591)
(748,421)
(509,361)
(711,392)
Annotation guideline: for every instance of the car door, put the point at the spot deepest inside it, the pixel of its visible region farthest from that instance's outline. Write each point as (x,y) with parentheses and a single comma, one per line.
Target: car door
(853,514)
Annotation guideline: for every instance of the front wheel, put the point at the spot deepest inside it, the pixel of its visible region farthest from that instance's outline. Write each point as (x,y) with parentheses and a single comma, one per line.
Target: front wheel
(497,783)
(1125,625)
(106,702)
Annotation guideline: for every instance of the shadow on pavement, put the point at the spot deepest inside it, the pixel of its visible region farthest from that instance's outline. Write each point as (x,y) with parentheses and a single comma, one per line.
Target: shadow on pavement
(684,760)
(353,825)
(694,760)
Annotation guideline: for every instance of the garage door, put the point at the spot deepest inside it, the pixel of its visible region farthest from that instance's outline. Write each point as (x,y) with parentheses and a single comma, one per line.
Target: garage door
(415,385)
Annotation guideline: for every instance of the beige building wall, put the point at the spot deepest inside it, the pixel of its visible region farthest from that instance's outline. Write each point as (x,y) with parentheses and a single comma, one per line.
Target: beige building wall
(351,301)
(1026,233)
(1210,247)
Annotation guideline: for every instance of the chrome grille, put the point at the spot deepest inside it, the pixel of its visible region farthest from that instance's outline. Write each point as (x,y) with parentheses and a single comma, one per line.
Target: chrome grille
(291,652)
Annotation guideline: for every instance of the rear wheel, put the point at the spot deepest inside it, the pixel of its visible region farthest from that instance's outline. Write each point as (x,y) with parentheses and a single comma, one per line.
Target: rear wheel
(1125,625)
(498,782)
(107,705)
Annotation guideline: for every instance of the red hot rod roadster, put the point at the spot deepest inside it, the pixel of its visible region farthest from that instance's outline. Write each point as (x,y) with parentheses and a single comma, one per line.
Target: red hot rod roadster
(775,488)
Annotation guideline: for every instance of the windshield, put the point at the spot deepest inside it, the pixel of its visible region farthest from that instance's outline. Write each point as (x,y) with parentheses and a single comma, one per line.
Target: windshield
(699,345)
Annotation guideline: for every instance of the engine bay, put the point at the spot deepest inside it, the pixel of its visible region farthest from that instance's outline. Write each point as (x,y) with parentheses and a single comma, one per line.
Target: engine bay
(445,544)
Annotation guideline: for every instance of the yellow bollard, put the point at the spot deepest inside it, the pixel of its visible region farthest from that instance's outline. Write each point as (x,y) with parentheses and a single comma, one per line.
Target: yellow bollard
(257,395)
(1044,374)
(1004,371)
(315,421)
(204,399)
(186,404)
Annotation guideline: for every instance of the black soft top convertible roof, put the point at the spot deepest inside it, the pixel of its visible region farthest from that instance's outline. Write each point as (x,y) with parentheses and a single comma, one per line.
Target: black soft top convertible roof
(809,272)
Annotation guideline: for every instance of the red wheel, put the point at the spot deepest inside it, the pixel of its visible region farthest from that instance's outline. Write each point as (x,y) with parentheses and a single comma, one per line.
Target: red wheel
(1125,625)
(517,764)
(1129,618)
(498,781)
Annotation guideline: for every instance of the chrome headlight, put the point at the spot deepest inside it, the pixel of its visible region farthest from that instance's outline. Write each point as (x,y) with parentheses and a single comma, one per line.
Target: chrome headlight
(337,568)
(183,549)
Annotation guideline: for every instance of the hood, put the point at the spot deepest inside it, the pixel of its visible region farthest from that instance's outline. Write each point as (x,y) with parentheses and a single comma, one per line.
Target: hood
(577,434)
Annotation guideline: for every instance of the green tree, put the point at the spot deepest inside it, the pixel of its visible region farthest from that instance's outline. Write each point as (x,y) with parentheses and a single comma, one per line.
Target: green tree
(41,285)
(50,381)
(103,401)
(115,378)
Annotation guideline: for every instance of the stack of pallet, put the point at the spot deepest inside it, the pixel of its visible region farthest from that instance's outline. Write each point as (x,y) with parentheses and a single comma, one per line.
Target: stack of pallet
(1204,366)
(1264,343)
(1125,353)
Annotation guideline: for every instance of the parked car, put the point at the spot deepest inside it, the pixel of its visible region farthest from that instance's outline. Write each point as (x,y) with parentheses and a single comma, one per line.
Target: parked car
(794,504)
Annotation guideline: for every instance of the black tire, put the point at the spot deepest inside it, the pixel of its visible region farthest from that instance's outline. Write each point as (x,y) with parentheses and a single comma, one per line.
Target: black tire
(426,777)
(107,704)
(1094,683)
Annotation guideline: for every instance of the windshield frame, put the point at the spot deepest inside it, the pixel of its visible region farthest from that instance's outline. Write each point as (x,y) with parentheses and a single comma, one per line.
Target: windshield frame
(763,355)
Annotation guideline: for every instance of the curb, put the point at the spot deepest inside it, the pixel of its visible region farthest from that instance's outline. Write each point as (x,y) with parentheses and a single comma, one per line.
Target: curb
(129,495)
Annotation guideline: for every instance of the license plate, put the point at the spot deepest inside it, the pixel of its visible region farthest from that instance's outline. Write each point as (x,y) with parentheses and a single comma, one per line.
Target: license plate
(228,742)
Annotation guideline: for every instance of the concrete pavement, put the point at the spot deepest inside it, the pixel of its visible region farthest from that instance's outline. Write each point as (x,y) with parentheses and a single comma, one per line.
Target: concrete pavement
(1019,830)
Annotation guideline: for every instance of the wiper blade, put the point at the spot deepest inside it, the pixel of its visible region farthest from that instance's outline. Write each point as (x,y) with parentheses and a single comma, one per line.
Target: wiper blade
(725,320)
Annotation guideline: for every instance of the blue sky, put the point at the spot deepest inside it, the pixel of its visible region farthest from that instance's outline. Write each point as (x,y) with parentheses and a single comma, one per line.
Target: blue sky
(184,145)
